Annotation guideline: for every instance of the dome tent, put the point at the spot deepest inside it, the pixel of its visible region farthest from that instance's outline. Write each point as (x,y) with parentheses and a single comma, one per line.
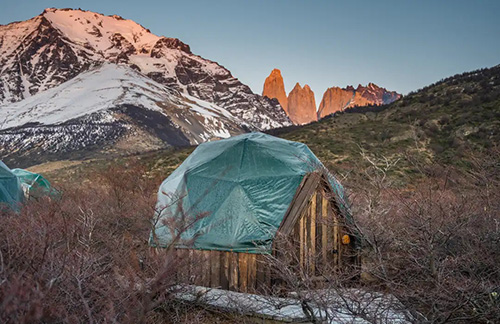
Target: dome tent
(244,185)
(11,192)
(33,184)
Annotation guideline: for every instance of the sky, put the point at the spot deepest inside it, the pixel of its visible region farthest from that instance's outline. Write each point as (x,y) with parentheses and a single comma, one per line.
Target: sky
(402,45)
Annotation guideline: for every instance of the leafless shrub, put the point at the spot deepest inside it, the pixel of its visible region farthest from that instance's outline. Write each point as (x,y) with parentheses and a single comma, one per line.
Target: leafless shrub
(430,250)
(84,257)
(431,247)
(434,245)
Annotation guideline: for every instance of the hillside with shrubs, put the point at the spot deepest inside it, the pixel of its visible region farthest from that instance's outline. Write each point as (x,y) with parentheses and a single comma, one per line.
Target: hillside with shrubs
(423,178)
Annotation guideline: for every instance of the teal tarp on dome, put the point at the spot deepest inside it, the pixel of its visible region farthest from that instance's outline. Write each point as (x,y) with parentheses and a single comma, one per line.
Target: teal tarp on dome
(241,186)
(34,184)
(11,192)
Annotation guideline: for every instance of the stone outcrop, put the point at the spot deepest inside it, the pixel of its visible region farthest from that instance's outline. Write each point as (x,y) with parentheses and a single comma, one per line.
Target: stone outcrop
(275,88)
(376,95)
(301,105)
(334,99)
(337,99)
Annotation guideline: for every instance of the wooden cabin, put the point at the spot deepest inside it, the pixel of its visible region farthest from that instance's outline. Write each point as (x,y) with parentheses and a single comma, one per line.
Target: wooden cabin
(312,236)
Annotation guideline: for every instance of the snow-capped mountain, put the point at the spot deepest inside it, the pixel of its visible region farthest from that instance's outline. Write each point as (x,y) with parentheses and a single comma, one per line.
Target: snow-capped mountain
(43,80)
(57,45)
(110,105)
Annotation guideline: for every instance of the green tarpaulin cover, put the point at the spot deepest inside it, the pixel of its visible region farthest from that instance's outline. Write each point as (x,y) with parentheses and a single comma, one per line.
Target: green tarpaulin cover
(33,184)
(11,192)
(16,184)
(242,186)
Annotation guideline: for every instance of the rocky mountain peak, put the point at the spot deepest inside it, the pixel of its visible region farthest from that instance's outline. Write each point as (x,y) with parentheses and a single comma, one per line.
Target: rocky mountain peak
(275,88)
(376,95)
(56,46)
(74,80)
(301,105)
(171,43)
(337,99)
(94,30)
(300,101)
(276,73)
(297,86)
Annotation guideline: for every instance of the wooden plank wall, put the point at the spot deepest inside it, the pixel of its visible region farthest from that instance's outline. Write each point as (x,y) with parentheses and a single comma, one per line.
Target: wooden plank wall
(244,272)
(317,234)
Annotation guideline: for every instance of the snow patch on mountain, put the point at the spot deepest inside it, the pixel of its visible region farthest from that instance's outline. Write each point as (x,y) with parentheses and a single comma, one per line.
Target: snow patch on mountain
(60,44)
(110,108)
(100,89)
(76,83)
(98,31)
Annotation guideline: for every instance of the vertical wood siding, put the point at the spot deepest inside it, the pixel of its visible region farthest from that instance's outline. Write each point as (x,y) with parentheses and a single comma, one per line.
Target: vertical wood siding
(313,224)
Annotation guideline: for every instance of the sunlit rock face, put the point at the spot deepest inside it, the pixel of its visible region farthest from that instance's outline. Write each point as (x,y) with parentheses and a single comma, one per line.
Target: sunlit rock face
(334,99)
(337,99)
(301,105)
(377,95)
(275,88)
(298,105)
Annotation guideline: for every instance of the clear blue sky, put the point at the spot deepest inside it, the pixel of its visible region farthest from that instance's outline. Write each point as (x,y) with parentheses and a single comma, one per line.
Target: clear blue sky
(402,45)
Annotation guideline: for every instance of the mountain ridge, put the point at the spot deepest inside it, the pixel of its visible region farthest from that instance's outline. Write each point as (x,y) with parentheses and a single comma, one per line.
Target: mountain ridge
(141,75)
(119,105)
(334,98)
(450,122)
(55,46)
